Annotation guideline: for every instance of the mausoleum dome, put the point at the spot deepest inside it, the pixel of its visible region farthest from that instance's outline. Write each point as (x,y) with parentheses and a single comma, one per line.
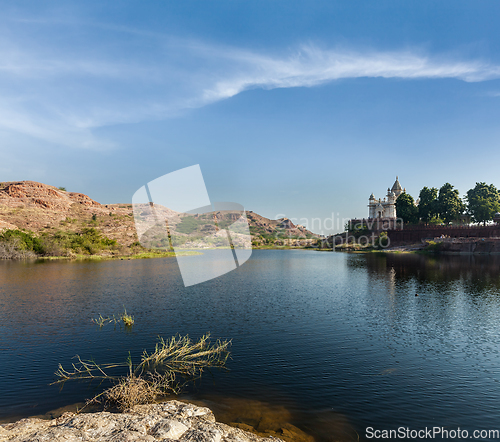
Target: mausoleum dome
(396,186)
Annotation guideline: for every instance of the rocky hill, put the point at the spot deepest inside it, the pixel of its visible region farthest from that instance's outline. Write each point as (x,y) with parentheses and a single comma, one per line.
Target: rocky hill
(28,205)
(48,210)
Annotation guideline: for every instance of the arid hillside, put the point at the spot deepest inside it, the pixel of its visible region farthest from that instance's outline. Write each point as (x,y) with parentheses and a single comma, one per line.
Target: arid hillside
(46,210)
(28,205)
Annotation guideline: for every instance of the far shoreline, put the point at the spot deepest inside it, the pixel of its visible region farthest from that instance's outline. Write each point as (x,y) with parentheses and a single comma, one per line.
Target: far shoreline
(143,255)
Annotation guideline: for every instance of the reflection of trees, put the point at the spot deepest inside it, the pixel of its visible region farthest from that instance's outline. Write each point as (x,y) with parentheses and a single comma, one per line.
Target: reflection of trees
(476,272)
(457,309)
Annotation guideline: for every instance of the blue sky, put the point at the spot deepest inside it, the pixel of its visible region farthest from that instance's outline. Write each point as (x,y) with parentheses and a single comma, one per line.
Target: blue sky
(291,108)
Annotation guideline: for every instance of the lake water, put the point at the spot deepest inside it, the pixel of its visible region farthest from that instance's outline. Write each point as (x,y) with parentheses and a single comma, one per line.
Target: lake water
(331,342)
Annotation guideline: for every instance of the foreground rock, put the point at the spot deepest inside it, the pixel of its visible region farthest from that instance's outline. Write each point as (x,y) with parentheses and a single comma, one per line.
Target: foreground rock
(166,422)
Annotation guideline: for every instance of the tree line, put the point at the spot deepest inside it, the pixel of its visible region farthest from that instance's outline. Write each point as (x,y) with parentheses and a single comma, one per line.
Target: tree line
(444,205)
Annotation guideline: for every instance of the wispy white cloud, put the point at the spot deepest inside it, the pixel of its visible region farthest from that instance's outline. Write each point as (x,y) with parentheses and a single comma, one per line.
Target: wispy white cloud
(61,93)
(311,66)
(61,131)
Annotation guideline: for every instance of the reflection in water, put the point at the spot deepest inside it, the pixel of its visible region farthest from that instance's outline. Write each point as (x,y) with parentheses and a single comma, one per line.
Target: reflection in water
(330,343)
(265,419)
(256,416)
(478,272)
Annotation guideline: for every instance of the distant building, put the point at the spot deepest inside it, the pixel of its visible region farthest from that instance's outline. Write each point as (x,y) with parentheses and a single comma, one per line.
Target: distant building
(381,212)
(385,208)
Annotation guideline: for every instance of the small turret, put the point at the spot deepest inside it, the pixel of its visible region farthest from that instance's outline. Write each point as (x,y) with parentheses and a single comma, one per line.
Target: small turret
(396,188)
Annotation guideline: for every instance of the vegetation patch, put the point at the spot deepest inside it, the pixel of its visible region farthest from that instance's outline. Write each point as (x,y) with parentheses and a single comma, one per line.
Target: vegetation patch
(88,241)
(433,246)
(190,224)
(19,244)
(382,241)
(127,319)
(167,369)
(25,244)
(124,318)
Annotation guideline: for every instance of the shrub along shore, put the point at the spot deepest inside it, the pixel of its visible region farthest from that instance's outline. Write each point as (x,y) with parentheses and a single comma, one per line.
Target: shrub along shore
(89,243)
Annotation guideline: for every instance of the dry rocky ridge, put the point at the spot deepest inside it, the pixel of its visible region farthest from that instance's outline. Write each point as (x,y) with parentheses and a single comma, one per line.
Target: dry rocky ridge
(38,207)
(284,231)
(29,205)
(270,226)
(165,422)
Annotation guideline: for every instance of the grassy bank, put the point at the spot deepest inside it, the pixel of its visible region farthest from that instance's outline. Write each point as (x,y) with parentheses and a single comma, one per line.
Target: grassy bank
(86,244)
(141,255)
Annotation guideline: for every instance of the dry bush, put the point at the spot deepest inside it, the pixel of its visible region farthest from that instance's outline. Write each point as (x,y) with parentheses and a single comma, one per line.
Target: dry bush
(131,391)
(11,249)
(137,390)
(180,355)
(172,364)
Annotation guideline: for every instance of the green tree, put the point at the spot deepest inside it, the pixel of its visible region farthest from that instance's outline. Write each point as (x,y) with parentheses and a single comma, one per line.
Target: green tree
(483,201)
(450,205)
(428,204)
(406,209)
(24,240)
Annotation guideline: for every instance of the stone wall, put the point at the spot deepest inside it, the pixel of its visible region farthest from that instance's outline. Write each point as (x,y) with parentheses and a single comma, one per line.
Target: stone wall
(417,233)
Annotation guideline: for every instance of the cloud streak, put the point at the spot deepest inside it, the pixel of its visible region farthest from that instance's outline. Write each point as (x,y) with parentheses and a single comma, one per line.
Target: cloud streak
(62,93)
(311,66)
